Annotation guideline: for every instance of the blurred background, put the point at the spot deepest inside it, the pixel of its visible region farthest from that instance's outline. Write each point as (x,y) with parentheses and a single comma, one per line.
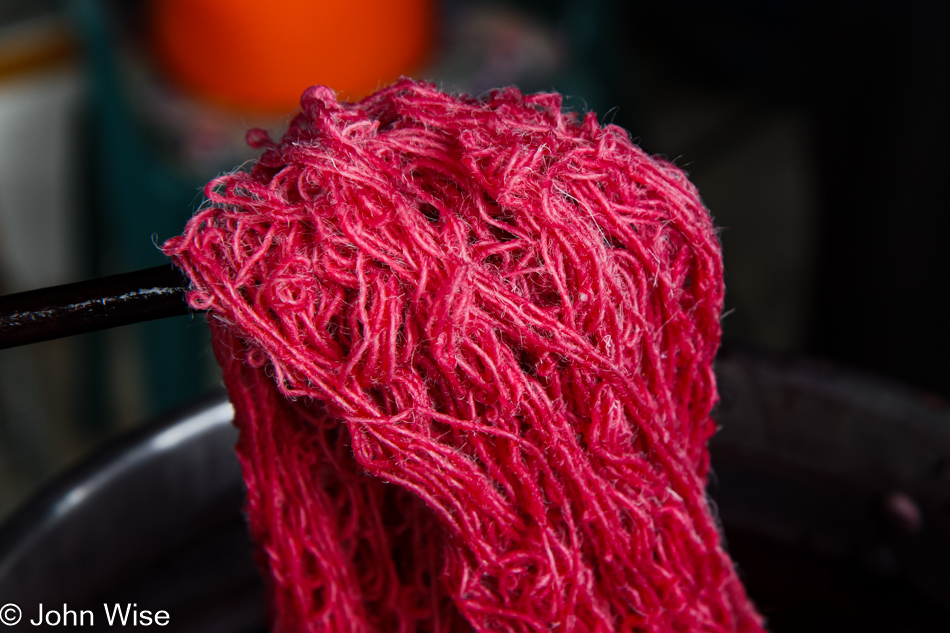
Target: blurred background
(817,133)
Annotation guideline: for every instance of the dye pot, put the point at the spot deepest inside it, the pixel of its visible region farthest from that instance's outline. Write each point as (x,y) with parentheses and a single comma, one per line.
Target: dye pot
(833,489)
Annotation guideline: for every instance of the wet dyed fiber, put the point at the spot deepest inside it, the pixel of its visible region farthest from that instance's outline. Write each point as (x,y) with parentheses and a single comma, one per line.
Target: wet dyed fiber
(469,343)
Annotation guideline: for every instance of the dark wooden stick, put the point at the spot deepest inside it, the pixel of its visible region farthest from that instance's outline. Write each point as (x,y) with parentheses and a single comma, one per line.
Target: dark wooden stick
(87,306)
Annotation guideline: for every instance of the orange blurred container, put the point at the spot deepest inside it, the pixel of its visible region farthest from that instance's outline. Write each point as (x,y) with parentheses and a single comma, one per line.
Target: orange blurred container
(261,55)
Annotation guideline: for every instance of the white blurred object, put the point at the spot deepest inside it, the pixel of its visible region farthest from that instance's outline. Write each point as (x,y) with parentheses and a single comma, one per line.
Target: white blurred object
(40,92)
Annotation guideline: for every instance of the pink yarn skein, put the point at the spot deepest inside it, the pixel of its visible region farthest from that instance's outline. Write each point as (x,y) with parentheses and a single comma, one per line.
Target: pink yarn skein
(469,343)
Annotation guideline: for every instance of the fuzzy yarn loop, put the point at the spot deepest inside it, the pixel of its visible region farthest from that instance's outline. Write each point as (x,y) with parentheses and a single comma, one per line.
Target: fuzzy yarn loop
(470,344)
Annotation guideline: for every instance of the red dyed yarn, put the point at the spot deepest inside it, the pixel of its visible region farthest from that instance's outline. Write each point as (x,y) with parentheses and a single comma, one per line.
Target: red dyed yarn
(469,343)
